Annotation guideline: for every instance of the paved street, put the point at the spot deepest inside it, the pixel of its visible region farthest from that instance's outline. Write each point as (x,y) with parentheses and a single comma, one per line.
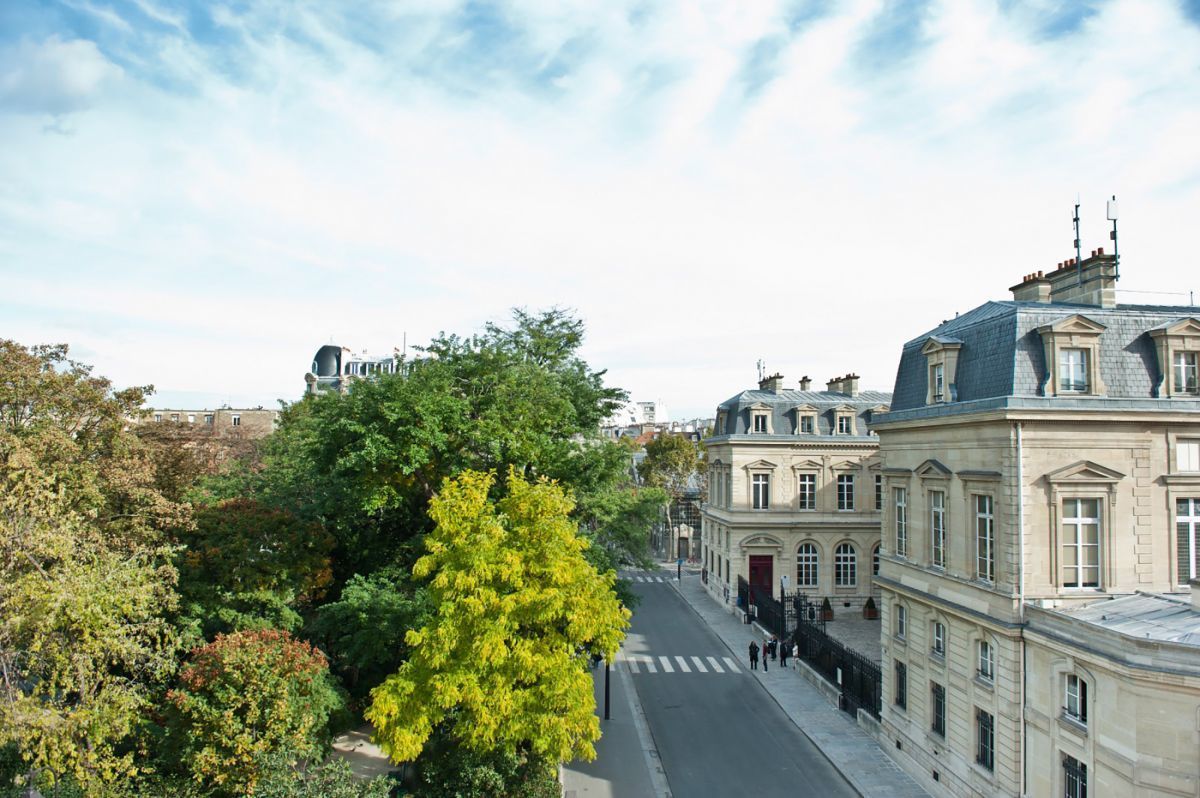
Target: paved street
(712,726)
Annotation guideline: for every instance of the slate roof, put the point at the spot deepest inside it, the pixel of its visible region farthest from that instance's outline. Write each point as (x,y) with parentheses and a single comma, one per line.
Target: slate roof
(1002,354)
(1144,616)
(783,419)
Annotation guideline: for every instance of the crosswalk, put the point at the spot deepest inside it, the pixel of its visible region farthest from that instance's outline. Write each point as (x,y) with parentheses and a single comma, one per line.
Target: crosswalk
(659,579)
(677,663)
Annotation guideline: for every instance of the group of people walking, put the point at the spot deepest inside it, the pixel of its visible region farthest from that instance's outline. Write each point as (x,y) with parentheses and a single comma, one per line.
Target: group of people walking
(771,650)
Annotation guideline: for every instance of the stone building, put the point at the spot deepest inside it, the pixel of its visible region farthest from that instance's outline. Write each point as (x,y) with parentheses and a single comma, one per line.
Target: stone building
(335,367)
(1041,465)
(795,490)
(221,422)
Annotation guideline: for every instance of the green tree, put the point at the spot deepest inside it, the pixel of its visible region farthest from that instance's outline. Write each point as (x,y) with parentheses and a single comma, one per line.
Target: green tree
(674,464)
(517,611)
(245,697)
(244,565)
(85,580)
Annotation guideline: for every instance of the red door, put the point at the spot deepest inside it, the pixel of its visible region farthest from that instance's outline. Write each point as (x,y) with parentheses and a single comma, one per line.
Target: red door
(760,572)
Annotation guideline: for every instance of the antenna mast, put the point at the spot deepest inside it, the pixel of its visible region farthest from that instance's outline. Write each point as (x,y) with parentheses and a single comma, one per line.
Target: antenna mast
(1112,216)
(760,365)
(1078,248)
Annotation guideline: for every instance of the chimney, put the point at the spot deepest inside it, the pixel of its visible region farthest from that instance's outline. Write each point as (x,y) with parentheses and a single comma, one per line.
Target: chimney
(850,384)
(1034,287)
(805,383)
(834,385)
(774,384)
(1092,281)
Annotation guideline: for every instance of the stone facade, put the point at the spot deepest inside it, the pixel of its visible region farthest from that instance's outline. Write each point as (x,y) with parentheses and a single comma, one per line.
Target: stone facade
(792,492)
(1036,461)
(223,422)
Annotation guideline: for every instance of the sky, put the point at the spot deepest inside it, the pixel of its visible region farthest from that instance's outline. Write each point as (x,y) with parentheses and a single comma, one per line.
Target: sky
(198,195)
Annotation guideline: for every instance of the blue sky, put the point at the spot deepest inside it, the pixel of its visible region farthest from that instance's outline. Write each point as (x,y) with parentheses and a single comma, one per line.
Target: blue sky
(198,195)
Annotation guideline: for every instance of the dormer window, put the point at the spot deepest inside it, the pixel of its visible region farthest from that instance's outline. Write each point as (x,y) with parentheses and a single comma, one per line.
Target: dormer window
(843,420)
(941,356)
(760,423)
(1071,347)
(806,419)
(1178,349)
(843,423)
(760,419)
(808,425)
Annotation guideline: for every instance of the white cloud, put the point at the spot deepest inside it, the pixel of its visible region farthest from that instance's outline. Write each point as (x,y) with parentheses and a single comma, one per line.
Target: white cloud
(313,176)
(53,76)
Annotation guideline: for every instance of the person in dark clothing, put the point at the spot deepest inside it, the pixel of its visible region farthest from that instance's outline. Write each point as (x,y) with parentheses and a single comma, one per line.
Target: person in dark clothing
(766,658)
(784,650)
(753,656)
(774,646)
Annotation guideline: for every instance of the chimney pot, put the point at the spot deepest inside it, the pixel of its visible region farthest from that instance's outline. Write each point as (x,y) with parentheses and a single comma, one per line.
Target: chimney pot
(1100,251)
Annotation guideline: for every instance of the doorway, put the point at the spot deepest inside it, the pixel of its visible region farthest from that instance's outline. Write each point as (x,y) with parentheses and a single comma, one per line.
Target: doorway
(761,567)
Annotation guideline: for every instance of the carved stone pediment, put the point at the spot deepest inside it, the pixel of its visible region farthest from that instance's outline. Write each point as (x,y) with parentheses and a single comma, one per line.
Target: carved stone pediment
(1084,472)
(1074,324)
(933,468)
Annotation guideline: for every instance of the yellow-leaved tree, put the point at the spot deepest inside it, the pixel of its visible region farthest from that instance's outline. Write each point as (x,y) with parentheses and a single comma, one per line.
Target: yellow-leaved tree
(517,611)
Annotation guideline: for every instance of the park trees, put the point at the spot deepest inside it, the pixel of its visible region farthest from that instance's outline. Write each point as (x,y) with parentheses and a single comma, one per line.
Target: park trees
(674,464)
(517,611)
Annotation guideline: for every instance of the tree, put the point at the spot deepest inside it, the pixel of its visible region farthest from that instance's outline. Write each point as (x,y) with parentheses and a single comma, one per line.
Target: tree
(85,581)
(244,565)
(517,611)
(674,464)
(246,697)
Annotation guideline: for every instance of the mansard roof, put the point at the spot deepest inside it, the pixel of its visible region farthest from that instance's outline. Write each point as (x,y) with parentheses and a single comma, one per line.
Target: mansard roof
(784,406)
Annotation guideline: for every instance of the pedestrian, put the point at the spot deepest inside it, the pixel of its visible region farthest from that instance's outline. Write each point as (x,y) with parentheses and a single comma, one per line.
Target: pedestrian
(783,654)
(795,655)
(774,647)
(766,647)
(753,656)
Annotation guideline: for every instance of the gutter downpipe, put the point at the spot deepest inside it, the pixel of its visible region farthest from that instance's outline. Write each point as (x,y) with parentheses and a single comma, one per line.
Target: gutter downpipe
(1021,601)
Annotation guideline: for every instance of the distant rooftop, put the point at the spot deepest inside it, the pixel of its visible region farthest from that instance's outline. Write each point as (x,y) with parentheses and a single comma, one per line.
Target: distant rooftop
(1166,618)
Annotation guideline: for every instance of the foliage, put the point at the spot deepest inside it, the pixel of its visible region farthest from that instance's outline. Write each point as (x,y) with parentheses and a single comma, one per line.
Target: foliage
(672,463)
(244,697)
(447,769)
(244,565)
(518,609)
(286,777)
(363,631)
(84,579)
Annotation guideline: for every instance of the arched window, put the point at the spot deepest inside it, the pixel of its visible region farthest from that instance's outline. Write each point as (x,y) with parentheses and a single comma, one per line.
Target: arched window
(845,566)
(807,564)
(875,560)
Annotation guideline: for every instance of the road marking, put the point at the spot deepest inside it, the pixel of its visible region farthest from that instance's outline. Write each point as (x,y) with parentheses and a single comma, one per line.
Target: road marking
(716,666)
(699,665)
(666,665)
(631,662)
(649,663)
(683,666)
(730,664)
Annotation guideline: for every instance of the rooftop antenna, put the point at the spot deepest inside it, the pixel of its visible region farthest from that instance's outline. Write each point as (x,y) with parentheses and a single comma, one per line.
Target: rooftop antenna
(1078,248)
(1112,217)
(761,373)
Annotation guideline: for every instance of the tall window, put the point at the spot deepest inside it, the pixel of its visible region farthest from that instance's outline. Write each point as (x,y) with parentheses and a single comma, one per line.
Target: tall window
(1072,370)
(938,633)
(236,420)
(1074,777)
(807,494)
(985,741)
(901,521)
(938,705)
(985,539)
(807,564)
(900,694)
(808,425)
(845,566)
(208,418)
(1186,373)
(1187,456)
(937,377)
(158,416)
(879,491)
(937,528)
(987,666)
(845,491)
(175,417)
(875,560)
(845,425)
(1081,543)
(760,423)
(761,486)
(1075,699)
(901,621)
(1187,531)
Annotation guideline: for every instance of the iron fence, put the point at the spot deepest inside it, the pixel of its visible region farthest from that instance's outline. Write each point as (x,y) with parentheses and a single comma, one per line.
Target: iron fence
(857,678)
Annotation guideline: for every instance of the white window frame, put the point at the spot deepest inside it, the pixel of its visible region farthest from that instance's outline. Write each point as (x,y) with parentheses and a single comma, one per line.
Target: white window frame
(901,520)
(985,536)
(806,491)
(1075,698)
(1187,455)
(985,752)
(937,528)
(1185,372)
(1073,370)
(191,418)
(235,420)
(901,627)
(938,382)
(808,565)
(845,497)
(845,566)
(208,419)
(758,423)
(760,491)
(808,424)
(938,639)
(1187,526)
(158,417)
(985,660)
(845,424)
(1078,547)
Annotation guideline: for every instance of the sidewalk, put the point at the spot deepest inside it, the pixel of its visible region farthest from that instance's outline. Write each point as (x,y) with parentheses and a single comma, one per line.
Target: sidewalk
(849,748)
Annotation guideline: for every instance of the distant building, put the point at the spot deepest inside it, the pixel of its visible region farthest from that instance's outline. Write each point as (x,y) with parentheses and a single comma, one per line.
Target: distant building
(795,491)
(335,367)
(222,422)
